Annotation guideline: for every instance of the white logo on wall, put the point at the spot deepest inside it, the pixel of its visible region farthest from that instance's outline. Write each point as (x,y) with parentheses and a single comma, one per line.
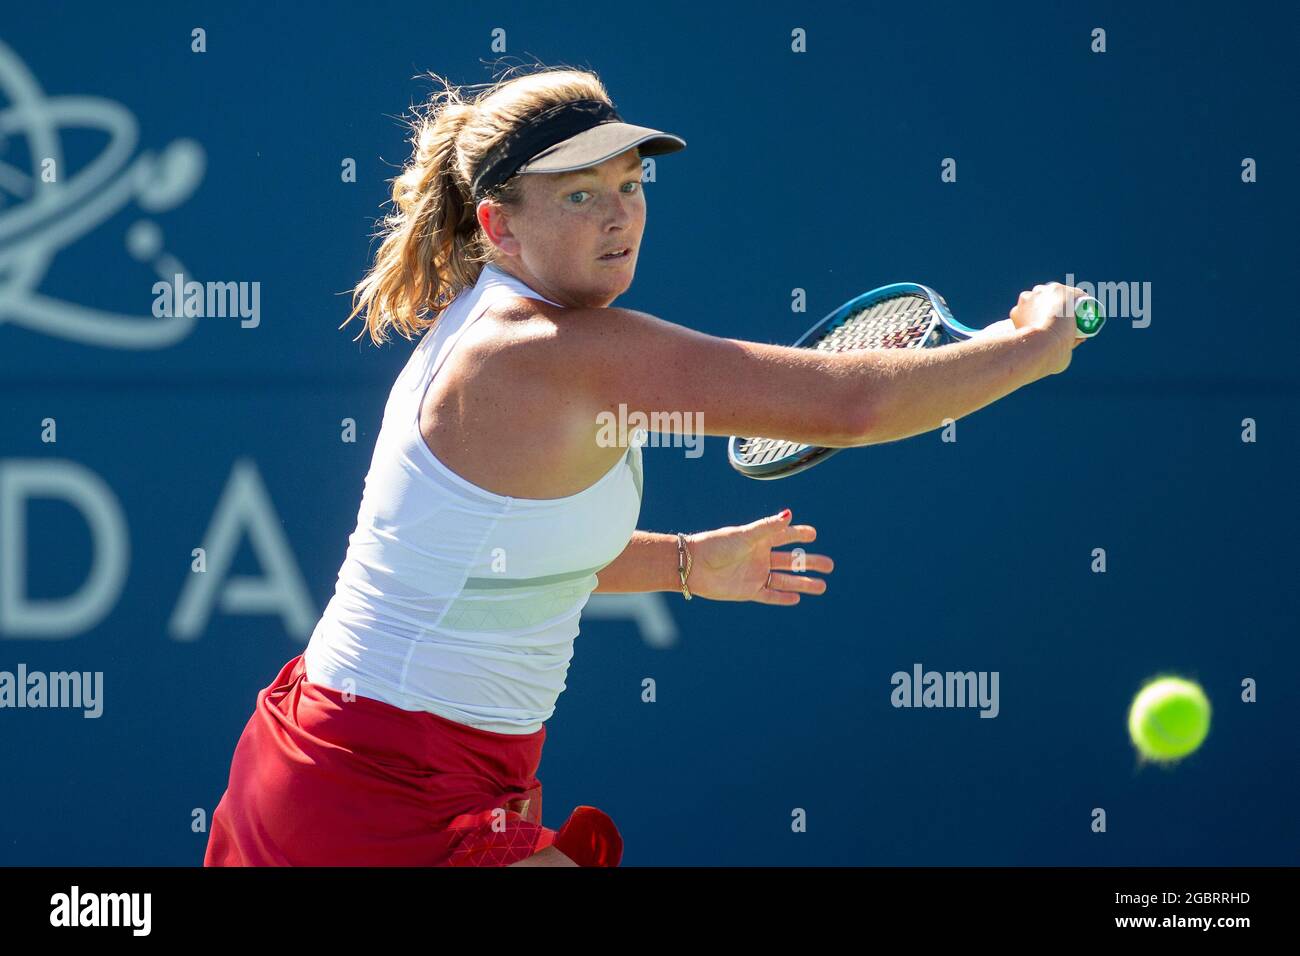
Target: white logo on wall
(648,611)
(39,218)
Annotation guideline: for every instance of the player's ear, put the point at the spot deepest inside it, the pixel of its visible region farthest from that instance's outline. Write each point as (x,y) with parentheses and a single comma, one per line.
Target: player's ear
(494,220)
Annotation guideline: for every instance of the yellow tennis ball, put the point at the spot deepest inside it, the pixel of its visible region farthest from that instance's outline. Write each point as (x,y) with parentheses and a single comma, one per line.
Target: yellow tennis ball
(1169,718)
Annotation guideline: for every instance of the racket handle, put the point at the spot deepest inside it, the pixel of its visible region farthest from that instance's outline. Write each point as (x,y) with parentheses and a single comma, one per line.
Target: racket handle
(1088,317)
(1088,320)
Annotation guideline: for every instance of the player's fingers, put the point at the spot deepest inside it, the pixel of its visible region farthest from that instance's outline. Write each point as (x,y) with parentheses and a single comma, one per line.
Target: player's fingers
(797,583)
(792,533)
(785,561)
(784,598)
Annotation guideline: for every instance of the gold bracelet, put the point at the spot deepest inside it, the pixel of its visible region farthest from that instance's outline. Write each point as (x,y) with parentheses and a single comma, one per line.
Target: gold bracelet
(684,562)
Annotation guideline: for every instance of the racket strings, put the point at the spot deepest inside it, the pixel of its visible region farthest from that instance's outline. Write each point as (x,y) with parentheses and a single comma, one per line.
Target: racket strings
(900,322)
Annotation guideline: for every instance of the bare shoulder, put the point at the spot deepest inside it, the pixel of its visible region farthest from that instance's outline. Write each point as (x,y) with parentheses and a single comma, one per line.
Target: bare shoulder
(503,355)
(518,322)
(506,327)
(503,415)
(528,340)
(572,345)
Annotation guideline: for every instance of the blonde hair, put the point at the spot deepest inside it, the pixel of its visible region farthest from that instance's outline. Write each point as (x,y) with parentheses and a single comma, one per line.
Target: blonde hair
(433,247)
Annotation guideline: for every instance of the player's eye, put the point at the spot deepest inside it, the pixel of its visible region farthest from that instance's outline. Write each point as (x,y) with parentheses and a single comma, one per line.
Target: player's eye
(580,192)
(632,182)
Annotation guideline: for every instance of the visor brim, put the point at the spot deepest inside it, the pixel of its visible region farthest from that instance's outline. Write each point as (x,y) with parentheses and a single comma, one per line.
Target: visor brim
(593,146)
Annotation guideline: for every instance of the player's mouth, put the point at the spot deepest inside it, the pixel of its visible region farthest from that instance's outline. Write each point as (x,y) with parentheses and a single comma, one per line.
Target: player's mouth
(617,255)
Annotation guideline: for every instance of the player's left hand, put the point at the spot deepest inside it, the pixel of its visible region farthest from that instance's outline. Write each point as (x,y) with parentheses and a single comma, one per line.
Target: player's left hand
(739,563)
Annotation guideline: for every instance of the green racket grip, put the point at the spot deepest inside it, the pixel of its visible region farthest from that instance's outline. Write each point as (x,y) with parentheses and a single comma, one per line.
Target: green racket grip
(1088,317)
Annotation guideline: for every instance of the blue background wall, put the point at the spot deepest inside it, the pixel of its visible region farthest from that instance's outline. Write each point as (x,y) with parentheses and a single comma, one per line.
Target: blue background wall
(816,170)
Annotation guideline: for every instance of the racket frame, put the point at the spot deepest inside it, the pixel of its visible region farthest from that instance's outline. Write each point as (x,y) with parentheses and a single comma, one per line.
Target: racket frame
(805,456)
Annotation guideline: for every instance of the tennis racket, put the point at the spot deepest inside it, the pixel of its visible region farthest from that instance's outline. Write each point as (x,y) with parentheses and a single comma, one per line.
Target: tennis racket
(905,315)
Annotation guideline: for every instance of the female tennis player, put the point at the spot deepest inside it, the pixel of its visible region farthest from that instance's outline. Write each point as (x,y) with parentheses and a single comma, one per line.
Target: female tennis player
(410,730)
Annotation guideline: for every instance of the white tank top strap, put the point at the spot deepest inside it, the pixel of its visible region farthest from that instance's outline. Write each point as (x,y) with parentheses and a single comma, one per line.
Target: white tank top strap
(493,286)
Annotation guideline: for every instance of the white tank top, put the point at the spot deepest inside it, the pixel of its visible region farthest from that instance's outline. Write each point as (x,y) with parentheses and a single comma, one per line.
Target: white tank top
(453,599)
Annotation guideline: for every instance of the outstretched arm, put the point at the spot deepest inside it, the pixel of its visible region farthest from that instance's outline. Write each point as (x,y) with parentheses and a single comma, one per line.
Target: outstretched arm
(604,361)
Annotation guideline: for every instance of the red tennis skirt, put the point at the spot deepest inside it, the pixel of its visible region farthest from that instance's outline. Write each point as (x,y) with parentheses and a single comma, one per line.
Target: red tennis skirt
(323,779)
